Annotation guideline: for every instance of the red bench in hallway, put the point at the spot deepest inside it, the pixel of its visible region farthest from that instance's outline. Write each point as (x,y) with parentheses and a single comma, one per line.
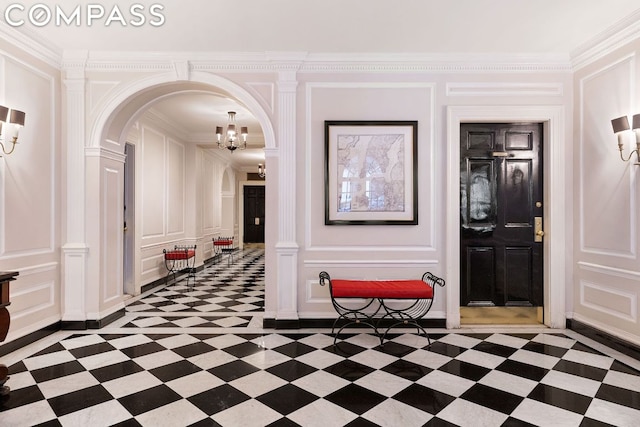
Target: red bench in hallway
(180,258)
(417,296)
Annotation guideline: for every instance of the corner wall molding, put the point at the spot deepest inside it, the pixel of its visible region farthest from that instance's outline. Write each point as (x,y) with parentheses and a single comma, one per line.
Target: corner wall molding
(611,39)
(37,48)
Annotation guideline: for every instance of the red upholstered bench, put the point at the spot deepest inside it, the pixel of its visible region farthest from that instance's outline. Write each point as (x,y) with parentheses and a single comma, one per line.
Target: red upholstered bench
(224,245)
(180,258)
(417,295)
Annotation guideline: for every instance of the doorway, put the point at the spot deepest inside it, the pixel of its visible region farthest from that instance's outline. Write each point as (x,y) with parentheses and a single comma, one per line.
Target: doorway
(501,223)
(128,228)
(254,213)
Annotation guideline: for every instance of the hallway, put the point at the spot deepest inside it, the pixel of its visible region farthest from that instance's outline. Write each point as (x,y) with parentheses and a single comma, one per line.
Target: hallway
(199,356)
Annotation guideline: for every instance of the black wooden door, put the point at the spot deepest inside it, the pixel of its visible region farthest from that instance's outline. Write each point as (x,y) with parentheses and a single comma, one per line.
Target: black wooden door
(500,203)
(254,214)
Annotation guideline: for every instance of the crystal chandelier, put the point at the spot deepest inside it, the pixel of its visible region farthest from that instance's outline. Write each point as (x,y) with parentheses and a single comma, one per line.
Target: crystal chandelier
(231,139)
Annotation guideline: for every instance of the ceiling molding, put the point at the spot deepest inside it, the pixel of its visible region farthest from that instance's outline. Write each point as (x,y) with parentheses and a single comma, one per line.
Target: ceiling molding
(37,48)
(615,37)
(230,62)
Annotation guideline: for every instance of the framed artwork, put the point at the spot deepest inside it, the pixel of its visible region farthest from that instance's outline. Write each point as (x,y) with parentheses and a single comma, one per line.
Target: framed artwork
(371,172)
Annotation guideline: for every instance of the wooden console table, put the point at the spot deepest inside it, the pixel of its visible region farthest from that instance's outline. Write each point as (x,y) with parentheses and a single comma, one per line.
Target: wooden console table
(5,320)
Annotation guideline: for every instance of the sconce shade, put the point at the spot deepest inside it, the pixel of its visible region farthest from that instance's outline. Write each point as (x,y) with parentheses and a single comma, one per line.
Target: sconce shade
(17,117)
(4,112)
(620,124)
(218,130)
(636,121)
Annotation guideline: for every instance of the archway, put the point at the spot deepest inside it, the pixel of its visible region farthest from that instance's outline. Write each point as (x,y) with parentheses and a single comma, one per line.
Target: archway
(104,165)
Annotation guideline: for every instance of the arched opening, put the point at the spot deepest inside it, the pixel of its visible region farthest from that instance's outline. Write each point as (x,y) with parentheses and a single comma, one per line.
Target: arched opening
(184,168)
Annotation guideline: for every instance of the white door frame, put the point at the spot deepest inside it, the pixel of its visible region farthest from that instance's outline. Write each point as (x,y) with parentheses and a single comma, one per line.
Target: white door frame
(555,172)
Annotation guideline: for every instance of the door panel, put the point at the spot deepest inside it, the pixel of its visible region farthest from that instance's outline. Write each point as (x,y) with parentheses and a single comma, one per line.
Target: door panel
(500,195)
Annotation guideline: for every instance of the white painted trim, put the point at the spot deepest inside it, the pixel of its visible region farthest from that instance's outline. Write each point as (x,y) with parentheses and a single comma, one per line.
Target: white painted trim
(555,172)
(504,89)
(606,42)
(610,271)
(356,263)
(269,62)
(28,311)
(370,248)
(632,297)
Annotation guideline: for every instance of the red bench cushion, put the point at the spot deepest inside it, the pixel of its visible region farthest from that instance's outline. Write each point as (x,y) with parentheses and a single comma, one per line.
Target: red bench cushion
(223,242)
(399,289)
(180,254)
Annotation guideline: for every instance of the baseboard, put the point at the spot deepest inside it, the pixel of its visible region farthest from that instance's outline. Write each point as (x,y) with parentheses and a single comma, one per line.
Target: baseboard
(611,341)
(82,325)
(328,324)
(24,341)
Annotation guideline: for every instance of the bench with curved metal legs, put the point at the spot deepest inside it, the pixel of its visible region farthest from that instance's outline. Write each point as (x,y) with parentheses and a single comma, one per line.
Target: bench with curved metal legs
(381,298)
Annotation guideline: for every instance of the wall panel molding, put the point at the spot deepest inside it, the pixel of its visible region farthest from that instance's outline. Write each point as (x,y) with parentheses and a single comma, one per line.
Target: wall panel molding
(44,292)
(610,271)
(629,62)
(504,89)
(429,147)
(609,301)
(370,263)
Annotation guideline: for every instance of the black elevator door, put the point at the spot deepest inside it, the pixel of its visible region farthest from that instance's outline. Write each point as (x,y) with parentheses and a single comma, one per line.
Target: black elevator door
(254,214)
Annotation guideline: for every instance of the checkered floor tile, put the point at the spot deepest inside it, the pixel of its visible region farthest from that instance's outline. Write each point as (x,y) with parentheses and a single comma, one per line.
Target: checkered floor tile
(132,374)
(236,287)
(188,322)
(302,379)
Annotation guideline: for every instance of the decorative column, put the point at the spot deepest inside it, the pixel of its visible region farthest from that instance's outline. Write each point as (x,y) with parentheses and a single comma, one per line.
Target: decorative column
(75,250)
(287,246)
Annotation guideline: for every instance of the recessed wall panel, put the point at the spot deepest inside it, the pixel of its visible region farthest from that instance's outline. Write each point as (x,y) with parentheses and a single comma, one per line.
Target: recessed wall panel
(175,187)
(29,175)
(607,190)
(154,177)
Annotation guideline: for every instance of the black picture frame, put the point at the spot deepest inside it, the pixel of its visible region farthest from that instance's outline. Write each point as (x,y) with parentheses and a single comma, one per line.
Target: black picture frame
(371,172)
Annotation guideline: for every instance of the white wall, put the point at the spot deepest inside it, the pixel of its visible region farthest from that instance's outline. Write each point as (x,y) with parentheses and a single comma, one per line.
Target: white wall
(30,192)
(607,236)
(387,252)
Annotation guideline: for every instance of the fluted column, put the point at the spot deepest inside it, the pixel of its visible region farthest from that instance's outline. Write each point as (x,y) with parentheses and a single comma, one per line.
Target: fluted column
(75,250)
(287,246)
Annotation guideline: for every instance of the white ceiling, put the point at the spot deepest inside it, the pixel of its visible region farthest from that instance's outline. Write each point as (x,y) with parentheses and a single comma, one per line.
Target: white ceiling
(363,26)
(439,27)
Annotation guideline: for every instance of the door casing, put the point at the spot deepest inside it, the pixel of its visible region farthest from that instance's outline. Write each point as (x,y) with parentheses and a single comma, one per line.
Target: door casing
(555,173)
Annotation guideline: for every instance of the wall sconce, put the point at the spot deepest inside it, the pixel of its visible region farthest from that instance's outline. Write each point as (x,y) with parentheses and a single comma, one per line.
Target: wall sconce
(620,126)
(262,171)
(10,128)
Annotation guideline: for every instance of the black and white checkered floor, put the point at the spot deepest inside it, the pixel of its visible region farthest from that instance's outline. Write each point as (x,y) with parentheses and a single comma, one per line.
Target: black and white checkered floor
(241,375)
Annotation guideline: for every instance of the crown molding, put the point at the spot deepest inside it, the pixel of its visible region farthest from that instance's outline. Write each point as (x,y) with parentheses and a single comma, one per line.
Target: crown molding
(32,45)
(292,62)
(615,37)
